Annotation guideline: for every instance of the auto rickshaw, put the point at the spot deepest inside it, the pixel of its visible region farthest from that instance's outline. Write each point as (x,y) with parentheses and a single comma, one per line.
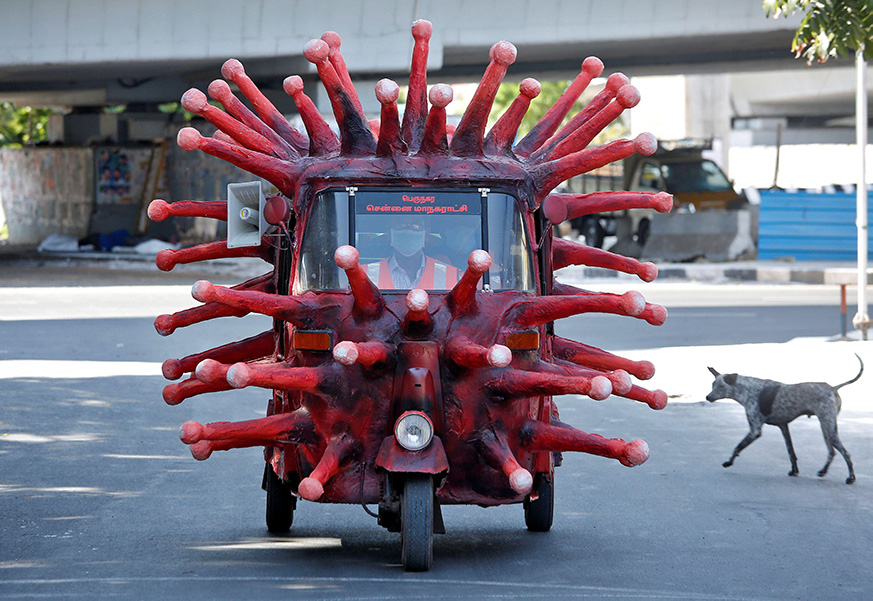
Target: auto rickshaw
(412,361)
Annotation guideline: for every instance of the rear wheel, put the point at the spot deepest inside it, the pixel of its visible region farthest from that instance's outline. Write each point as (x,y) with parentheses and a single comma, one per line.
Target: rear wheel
(416,515)
(281,503)
(538,514)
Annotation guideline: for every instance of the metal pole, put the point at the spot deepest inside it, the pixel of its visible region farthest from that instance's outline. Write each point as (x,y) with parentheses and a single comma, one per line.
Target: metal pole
(861,319)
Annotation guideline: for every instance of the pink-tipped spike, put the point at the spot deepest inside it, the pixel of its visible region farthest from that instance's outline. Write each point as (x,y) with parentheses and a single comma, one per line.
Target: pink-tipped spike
(631,303)
(338,450)
(390,142)
(615,82)
(220,90)
(467,353)
(159,210)
(462,298)
(591,67)
(434,139)
(595,358)
(497,453)
(334,42)
(368,299)
(176,393)
(195,101)
(559,207)
(300,311)
(322,140)
(567,252)
(280,173)
(416,97)
(356,138)
(211,371)
(251,348)
(628,97)
(656,399)
(562,438)
(548,175)
(501,136)
(418,321)
(513,383)
(294,427)
(279,376)
(269,114)
(167,259)
(367,354)
(469,136)
(541,310)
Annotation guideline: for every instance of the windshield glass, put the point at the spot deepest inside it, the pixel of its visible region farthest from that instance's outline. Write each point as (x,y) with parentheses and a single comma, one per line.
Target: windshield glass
(414,238)
(694,176)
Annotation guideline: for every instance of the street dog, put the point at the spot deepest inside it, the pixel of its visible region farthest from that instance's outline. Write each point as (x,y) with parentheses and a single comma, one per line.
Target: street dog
(777,404)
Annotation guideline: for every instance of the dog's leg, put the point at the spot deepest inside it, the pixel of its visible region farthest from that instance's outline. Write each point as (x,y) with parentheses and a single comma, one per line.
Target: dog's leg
(787,436)
(751,437)
(832,440)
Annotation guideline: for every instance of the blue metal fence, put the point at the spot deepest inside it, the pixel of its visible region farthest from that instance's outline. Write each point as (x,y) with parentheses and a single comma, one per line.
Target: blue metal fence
(809,226)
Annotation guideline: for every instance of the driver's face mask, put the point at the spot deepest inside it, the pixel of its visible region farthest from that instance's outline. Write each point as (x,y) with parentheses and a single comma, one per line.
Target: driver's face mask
(407,242)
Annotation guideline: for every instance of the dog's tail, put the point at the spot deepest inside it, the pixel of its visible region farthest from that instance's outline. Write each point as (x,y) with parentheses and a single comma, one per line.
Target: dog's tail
(856,378)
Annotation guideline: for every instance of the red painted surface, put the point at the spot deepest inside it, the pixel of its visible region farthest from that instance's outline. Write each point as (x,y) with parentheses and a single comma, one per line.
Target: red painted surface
(333,410)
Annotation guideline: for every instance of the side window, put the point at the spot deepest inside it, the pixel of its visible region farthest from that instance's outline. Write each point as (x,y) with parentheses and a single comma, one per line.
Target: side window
(508,245)
(327,228)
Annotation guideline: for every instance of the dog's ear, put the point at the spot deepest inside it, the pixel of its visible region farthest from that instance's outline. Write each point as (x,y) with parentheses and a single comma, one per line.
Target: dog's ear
(731,379)
(713,372)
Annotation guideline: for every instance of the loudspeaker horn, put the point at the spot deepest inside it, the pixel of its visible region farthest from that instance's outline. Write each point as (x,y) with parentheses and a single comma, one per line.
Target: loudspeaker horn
(245,214)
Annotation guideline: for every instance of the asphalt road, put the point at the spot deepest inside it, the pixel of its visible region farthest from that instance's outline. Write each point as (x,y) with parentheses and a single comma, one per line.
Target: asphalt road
(100,499)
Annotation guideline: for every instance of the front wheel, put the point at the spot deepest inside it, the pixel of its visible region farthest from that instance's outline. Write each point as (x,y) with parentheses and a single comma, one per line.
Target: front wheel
(416,515)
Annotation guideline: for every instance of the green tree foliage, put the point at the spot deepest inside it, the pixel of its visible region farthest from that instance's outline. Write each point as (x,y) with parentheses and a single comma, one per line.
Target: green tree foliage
(24,125)
(551,91)
(830,28)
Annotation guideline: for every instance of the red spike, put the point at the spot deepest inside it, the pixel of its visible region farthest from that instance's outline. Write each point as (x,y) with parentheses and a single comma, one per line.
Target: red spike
(541,310)
(562,438)
(254,347)
(233,70)
(628,97)
(548,175)
(589,356)
(656,399)
(338,451)
(462,298)
(212,371)
(416,96)
(418,320)
(292,309)
(652,313)
(295,427)
(567,252)
(502,134)
(356,138)
(223,137)
(178,392)
(368,299)
(168,258)
(322,140)
(513,383)
(496,451)
(615,82)
(334,42)
(159,210)
(619,378)
(279,376)
(434,139)
(390,142)
(167,324)
(467,353)
(591,67)
(280,173)
(367,354)
(559,207)
(220,90)
(195,101)
(469,136)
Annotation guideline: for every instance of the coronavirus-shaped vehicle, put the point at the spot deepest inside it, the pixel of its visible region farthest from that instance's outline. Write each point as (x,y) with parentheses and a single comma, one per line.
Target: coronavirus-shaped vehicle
(412,360)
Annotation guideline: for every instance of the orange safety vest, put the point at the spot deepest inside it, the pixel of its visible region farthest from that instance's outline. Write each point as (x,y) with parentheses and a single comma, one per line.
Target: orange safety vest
(436,275)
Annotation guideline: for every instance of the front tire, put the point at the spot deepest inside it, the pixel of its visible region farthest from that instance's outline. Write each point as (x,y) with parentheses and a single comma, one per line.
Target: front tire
(416,515)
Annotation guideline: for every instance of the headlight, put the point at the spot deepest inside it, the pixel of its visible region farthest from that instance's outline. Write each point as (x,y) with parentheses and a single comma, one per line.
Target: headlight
(413,430)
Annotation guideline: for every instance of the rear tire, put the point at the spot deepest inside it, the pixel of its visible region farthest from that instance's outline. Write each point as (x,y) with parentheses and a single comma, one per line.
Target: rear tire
(539,514)
(281,503)
(416,515)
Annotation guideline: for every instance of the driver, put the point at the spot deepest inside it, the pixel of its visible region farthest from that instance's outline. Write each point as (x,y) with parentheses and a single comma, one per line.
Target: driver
(408,267)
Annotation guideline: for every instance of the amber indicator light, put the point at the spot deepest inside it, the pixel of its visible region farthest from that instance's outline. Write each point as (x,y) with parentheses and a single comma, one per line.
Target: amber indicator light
(312,341)
(523,341)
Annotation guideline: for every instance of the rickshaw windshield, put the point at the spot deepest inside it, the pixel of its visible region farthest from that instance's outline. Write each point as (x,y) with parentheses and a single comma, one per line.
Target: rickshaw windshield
(415,239)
